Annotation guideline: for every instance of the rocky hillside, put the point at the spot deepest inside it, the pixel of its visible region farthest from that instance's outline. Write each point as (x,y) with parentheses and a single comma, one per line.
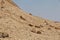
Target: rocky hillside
(16,24)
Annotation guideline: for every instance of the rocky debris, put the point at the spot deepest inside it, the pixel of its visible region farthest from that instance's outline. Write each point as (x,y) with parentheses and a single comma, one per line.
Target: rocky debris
(3,35)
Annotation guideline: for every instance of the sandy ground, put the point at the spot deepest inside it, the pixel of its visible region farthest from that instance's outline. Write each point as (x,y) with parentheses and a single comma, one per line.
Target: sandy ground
(16,24)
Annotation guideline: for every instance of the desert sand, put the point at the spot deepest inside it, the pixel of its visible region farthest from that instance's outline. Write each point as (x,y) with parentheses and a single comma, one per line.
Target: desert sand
(16,24)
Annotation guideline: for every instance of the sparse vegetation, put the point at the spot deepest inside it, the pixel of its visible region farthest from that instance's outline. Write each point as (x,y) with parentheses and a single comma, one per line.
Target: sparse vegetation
(16,24)
(57,28)
(0,17)
(49,28)
(37,26)
(33,31)
(30,14)
(51,25)
(30,25)
(38,32)
(22,18)
(41,26)
(46,22)
(56,22)
(2,7)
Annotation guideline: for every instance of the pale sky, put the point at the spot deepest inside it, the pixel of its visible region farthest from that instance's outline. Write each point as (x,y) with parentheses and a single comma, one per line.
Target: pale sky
(49,9)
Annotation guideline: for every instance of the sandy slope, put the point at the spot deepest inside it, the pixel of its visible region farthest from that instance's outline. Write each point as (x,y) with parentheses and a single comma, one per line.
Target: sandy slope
(16,24)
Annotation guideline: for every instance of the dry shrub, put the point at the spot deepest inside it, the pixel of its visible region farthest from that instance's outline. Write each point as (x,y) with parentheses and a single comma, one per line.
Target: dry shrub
(30,25)
(46,22)
(38,32)
(37,26)
(22,18)
(30,14)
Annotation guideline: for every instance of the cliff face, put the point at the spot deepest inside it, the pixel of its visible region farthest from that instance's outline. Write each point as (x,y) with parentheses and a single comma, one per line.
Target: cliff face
(16,24)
